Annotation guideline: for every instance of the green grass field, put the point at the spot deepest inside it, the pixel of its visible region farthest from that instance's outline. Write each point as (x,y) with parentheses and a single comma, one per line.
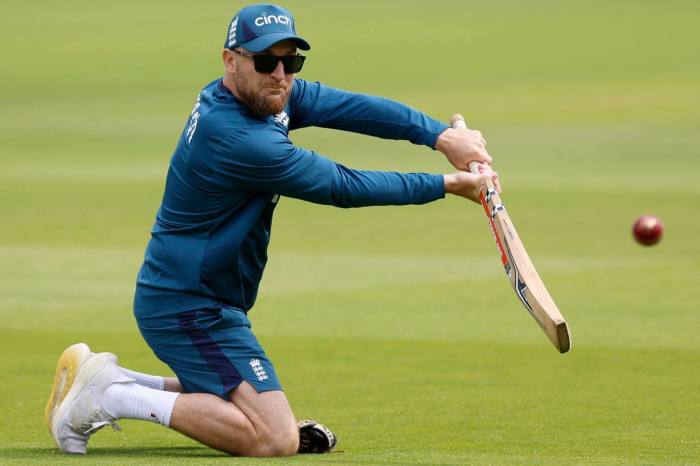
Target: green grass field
(395,326)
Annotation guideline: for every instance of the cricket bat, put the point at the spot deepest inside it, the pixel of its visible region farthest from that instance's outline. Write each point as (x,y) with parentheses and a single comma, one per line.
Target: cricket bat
(522,274)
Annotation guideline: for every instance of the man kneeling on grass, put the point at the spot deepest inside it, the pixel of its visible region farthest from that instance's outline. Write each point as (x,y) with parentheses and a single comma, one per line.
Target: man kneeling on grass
(208,246)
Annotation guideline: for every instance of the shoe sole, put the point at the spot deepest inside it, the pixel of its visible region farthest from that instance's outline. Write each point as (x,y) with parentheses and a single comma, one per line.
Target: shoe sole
(87,371)
(66,369)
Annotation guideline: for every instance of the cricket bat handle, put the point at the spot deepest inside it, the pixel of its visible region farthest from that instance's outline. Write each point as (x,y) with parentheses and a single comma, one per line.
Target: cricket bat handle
(457,121)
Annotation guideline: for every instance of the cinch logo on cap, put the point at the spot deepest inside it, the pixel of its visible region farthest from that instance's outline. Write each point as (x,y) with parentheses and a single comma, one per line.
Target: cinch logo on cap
(264,19)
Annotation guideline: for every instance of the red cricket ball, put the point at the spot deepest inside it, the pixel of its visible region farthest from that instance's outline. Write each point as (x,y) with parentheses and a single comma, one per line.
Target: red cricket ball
(647,230)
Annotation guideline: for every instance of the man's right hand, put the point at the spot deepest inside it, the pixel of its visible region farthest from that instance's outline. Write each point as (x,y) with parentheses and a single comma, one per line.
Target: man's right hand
(466,184)
(462,146)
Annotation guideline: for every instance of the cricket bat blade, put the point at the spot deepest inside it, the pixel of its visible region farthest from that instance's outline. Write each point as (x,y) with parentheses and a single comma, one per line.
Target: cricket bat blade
(521,272)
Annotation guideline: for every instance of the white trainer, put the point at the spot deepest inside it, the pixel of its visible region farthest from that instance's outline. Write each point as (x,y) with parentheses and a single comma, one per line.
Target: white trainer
(81,413)
(66,369)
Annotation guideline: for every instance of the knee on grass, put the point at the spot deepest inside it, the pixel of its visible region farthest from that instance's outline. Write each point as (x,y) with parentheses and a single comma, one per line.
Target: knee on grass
(282,442)
(279,441)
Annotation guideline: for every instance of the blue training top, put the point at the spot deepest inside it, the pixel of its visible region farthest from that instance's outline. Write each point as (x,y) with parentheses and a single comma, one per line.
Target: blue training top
(209,243)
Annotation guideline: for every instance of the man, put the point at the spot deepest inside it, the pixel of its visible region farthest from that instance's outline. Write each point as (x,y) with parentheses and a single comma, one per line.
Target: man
(208,248)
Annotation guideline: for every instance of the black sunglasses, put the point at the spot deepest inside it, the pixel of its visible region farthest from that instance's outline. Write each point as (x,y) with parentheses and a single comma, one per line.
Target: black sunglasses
(265,63)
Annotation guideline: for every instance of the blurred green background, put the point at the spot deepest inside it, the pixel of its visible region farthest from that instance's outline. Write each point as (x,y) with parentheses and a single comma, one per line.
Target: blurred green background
(395,326)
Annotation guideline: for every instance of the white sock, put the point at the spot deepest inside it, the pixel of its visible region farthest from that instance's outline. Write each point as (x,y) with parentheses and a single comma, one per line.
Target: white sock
(133,401)
(147,380)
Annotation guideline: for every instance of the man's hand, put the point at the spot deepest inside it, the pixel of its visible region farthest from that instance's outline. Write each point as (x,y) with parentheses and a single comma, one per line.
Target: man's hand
(467,184)
(462,146)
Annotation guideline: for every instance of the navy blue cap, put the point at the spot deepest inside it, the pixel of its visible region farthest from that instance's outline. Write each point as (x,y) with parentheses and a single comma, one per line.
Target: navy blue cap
(258,27)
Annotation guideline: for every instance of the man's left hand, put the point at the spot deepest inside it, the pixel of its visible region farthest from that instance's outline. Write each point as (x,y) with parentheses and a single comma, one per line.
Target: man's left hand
(462,146)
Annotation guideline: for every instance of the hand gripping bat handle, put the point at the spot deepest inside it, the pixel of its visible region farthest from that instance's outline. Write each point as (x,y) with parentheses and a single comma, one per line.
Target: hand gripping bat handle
(457,121)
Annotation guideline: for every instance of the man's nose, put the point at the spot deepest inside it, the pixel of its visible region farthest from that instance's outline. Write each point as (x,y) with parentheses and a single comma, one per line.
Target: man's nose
(278,72)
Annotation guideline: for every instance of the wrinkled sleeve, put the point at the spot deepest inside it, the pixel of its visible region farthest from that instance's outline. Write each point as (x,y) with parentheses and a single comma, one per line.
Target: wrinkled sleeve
(313,104)
(266,160)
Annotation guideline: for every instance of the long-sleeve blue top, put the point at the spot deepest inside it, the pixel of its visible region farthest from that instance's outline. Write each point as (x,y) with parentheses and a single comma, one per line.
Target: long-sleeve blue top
(208,245)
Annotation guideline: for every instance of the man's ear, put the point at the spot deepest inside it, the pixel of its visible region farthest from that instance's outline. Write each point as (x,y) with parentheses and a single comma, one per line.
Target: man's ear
(229,61)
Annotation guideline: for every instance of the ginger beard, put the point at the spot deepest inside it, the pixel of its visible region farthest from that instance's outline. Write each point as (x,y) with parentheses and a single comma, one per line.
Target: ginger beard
(269,99)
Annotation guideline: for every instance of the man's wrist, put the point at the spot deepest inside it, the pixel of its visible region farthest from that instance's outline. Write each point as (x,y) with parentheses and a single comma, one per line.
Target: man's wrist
(440,143)
(449,182)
